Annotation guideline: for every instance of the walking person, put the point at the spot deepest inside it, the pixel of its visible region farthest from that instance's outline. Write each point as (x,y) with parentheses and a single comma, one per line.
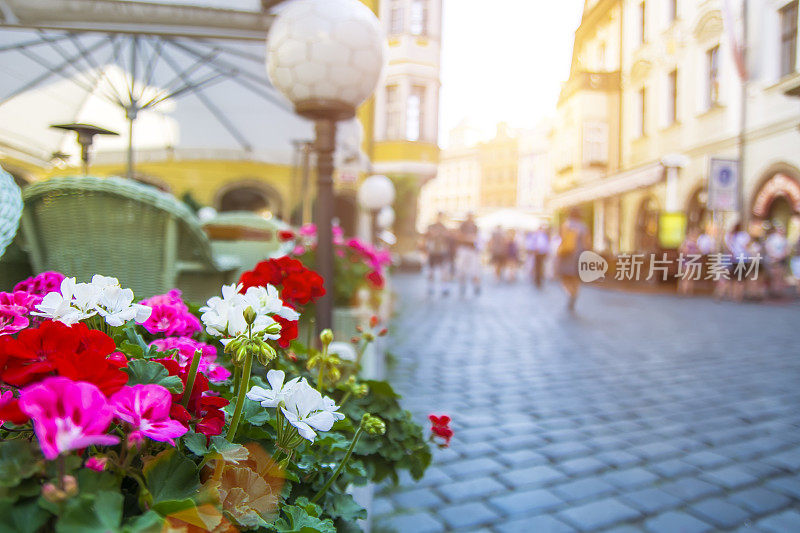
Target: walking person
(498,250)
(776,249)
(513,260)
(437,248)
(574,240)
(541,247)
(689,251)
(468,260)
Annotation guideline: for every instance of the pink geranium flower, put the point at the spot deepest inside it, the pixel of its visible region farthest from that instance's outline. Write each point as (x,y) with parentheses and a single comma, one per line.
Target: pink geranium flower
(12,319)
(98,464)
(67,415)
(186,347)
(170,315)
(146,409)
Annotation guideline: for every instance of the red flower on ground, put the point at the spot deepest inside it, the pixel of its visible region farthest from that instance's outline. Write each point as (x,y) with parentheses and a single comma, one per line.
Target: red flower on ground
(440,427)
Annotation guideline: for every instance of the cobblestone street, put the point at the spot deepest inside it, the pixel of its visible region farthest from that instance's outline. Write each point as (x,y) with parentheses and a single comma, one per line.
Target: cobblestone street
(642,412)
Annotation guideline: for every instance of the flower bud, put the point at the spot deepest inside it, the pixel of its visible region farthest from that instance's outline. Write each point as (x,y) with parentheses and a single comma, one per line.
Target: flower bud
(52,493)
(373,321)
(326,336)
(249,315)
(373,425)
(355,340)
(383,332)
(359,329)
(70,486)
(369,337)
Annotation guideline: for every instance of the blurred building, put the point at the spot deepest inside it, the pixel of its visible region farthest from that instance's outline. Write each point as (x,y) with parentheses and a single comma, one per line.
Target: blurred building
(640,116)
(499,161)
(402,122)
(228,141)
(456,189)
(535,169)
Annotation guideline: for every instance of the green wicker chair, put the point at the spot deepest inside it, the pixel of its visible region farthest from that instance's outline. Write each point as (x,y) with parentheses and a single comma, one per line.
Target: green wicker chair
(247,236)
(117,227)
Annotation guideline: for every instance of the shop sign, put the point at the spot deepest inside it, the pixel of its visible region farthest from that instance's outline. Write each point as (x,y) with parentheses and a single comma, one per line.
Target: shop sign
(778,185)
(723,184)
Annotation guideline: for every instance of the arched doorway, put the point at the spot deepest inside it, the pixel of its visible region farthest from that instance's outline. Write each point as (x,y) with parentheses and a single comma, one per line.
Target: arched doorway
(252,196)
(646,238)
(777,200)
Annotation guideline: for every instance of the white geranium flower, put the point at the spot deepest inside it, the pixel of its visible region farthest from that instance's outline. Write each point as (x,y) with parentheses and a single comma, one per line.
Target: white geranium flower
(86,297)
(116,306)
(266,300)
(58,305)
(305,409)
(224,317)
(330,406)
(101,282)
(277,394)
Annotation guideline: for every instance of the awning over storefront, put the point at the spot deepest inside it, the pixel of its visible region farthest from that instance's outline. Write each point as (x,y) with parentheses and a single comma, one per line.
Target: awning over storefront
(614,185)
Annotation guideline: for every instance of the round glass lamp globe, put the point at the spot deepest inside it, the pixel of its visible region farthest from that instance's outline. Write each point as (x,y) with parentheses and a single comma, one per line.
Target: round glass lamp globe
(325,56)
(376,192)
(386,217)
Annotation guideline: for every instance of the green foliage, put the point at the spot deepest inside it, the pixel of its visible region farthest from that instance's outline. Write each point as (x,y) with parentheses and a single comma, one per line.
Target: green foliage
(171,476)
(21,517)
(302,517)
(17,462)
(144,372)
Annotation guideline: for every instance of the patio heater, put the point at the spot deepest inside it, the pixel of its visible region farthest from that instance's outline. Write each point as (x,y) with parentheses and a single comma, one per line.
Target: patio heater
(326,57)
(86,133)
(375,194)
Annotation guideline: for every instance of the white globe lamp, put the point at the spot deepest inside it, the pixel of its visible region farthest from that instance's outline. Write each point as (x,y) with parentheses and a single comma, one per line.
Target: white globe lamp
(326,57)
(376,192)
(385,218)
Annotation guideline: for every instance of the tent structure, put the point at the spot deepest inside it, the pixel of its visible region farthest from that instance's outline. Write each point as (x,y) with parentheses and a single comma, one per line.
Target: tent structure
(174,79)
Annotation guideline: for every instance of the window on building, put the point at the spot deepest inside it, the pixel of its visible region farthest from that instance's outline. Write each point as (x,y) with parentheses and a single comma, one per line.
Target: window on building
(642,23)
(394,113)
(419,17)
(672,6)
(672,97)
(396,18)
(414,114)
(712,76)
(595,143)
(788,16)
(642,116)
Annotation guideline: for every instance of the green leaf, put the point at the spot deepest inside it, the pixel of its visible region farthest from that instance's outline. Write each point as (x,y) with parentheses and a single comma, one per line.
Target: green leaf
(144,372)
(171,476)
(92,482)
(17,462)
(230,451)
(169,507)
(100,513)
(303,517)
(382,388)
(18,517)
(149,522)
(345,507)
(196,443)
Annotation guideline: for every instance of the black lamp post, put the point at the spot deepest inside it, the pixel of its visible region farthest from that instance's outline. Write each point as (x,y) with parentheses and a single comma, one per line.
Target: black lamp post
(86,133)
(326,57)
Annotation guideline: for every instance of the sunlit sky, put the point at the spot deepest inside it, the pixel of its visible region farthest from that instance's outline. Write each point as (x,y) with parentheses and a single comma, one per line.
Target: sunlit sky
(504,60)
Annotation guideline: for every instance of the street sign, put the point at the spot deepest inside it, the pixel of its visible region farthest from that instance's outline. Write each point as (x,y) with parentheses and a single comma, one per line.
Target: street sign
(723,184)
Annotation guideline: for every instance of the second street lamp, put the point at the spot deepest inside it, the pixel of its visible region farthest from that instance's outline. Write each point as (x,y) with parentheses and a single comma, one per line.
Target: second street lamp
(326,56)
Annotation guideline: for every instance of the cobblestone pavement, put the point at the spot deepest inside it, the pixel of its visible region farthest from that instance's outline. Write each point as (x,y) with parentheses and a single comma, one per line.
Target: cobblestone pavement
(643,412)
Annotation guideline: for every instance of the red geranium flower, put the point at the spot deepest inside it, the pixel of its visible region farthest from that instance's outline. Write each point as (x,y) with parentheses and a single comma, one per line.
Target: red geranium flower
(204,409)
(285,235)
(440,427)
(376,279)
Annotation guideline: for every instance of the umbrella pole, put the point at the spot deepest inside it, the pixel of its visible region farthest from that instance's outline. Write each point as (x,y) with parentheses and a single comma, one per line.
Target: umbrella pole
(130,114)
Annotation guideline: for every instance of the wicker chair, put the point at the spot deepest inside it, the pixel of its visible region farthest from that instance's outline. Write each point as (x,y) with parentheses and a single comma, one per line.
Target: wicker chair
(117,227)
(247,236)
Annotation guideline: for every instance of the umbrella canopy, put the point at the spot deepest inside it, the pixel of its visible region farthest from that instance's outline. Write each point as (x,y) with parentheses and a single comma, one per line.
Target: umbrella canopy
(192,97)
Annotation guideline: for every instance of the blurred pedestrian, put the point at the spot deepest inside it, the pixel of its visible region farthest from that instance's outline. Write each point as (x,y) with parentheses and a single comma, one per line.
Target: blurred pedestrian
(776,255)
(513,259)
(498,250)
(689,253)
(737,243)
(437,248)
(541,247)
(574,240)
(468,260)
